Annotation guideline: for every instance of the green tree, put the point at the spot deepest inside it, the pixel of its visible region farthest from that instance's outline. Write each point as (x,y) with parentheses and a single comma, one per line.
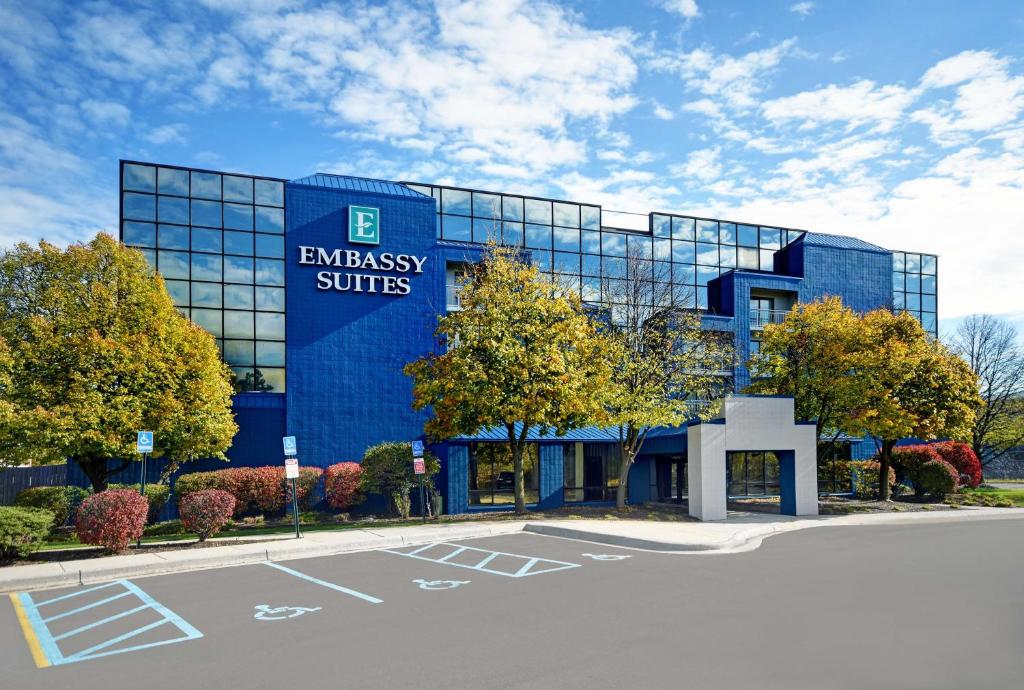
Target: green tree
(667,368)
(387,470)
(913,387)
(521,354)
(98,351)
(812,356)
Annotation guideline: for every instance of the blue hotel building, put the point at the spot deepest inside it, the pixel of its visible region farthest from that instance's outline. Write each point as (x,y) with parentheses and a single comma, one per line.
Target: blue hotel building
(319,290)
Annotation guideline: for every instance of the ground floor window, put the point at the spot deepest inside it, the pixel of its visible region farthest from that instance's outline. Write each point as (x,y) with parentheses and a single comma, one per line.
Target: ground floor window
(833,472)
(591,471)
(492,476)
(752,473)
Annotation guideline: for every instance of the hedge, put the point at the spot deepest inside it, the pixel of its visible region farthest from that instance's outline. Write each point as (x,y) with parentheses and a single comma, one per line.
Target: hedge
(112,519)
(864,476)
(157,496)
(256,489)
(206,512)
(963,459)
(62,501)
(22,530)
(341,485)
(387,470)
(926,470)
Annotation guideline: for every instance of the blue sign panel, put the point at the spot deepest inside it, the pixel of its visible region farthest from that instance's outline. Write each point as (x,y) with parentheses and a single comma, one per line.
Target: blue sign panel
(144,442)
(289,445)
(417,449)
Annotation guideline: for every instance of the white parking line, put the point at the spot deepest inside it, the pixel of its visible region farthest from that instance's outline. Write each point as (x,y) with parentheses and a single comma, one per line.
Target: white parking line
(324,583)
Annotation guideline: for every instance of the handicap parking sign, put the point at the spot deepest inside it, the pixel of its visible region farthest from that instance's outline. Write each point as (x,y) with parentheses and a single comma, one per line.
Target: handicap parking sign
(417,449)
(289,445)
(144,442)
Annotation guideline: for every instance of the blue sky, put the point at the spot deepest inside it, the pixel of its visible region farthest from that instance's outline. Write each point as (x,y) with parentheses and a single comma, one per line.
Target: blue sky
(900,123)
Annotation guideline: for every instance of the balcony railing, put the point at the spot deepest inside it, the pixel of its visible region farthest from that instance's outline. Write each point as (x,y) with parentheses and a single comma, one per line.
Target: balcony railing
(759,318)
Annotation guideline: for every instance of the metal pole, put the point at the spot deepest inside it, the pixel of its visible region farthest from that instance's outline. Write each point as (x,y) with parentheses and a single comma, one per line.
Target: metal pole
(295,510)
(142,491)
(423,502)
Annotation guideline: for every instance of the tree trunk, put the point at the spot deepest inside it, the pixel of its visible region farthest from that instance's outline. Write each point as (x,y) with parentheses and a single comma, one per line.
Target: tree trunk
(884,463)
(622,491)
(516,445)
(96,470)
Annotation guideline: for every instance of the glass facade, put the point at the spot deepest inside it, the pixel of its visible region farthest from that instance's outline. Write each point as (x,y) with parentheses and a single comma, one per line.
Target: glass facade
(915,286)
(218,241)
(492,476)
(567,240)
(752,473)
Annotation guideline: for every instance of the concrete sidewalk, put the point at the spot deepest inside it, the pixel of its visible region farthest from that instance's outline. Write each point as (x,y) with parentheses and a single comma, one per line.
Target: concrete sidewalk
(740,532)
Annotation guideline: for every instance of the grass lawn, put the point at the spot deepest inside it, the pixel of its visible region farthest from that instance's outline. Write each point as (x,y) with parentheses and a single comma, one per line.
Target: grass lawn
(989,497)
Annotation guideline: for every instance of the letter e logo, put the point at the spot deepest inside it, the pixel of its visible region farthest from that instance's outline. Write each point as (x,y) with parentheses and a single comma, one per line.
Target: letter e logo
(363,225)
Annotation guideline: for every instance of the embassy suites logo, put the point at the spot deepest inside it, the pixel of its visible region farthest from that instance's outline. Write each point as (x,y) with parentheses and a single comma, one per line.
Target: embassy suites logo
(363,228)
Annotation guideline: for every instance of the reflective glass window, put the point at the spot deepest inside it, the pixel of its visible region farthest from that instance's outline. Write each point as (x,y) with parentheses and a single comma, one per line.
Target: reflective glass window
(727,233)
(172,237)
(590,289)
(173,264)
(238,188)
(237,269)
(486,230)
(204,240)
(913,301)
(239,352)
(613,267)
(767,259)
(270,379)
(238,243)
(613,244)
(930,322)
(457,228)
(541,258)
(746,258)
(206,213)
(928,264)
(590,241)
(567,262)
(172,181)
(727,256)
(899,261)
(209,320)
(707,231)
(238,217)
(771,238)
(899,300)
(684,252)
(590,217)
(269,354)
(150,255)
(897,281)
(269,272)
(705,274)
(269,219)
(172,209)
(139,206)
(238,324)
(663,249)
(747,235)
(456,201)
(207,267)
(206,295)
(138,234)
(269,192)
(702,297)
(244,379)
(538,211)
(512,234)
(270,246)
(239,296)
(270,299)
(913,263)
(707,254)
(205,185)
(683,228)
(566,215)
(567,239)
(512,208)
(591,265)
(913,282)
(639,246)
(538,236)
(139,178)
(178,290)
(928,284)
(661,226)
(486,205)
(269,326)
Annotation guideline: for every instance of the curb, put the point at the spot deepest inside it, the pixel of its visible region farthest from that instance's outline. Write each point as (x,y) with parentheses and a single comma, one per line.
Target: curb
(72,573)
(737,542)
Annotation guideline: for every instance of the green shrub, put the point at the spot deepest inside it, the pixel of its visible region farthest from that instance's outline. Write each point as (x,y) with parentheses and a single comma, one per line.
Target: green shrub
(936,478)
(62,501)
(387,470)
(168,528)
(156,496)
(22,530)
(195,481)
(865,478)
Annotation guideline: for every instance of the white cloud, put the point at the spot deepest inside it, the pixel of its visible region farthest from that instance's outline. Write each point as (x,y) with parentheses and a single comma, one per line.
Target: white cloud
(703,165)
(662,113)
(106,112)
(863,102)
(686,8)
(802,8)
(167,134)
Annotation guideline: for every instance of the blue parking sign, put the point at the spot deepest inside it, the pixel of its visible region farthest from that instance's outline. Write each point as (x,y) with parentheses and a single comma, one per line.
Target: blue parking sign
(144,442)
(290,447)
(417,449)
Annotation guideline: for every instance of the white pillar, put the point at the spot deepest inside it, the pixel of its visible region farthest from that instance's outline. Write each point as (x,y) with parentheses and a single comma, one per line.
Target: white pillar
(705,445)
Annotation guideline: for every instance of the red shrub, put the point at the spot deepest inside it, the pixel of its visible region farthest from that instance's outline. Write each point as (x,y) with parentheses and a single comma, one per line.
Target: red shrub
(963,458)
(112,519)
(256,489)
(309,477)
(206,512)
(341,485)
(926,469)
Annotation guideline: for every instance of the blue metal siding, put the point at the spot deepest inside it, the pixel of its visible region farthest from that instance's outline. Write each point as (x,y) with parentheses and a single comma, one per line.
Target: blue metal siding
(456,468)
(551,475)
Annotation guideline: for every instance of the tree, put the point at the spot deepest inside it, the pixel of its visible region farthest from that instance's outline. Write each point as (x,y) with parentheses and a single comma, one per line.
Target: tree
(666,367)
(812,356)
(913,387)
(387,470)
(521,355)
(990,348)
(99,351)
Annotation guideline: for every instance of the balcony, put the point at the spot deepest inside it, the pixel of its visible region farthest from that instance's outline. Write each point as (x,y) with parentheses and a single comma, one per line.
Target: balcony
(759,318)
(452,300)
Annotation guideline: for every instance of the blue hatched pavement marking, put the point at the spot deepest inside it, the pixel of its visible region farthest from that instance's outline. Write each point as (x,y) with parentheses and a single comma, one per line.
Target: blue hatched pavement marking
(49,643)
(524,571)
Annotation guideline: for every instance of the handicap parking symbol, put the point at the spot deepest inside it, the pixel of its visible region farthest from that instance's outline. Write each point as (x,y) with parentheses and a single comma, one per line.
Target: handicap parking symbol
(606,556)
(265,612)
(440,584)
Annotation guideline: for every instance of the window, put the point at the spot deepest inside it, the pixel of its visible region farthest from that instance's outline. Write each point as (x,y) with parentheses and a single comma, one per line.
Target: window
(833,473)
(752,473)
(590,471)
(491,475)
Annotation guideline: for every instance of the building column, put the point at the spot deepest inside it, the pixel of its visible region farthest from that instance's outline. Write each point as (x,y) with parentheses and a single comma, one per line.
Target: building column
(705,445)
(798,474)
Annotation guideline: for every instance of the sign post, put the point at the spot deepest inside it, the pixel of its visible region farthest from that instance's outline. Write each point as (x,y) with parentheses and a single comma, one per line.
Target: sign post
(143,446)
(291,472)
(419,469)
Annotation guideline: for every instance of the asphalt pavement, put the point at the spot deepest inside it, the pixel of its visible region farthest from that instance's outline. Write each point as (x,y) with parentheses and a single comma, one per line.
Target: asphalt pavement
(890,606)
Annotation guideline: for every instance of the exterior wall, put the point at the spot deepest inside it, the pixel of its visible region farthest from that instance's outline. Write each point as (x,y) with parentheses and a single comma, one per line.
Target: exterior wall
(862,278)
(345,387)
(551,459)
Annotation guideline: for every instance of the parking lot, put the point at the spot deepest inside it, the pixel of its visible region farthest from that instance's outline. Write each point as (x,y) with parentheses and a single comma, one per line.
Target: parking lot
(896,606)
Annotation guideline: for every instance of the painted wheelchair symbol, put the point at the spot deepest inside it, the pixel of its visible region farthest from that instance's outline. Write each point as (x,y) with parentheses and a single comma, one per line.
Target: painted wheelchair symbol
(265,612)
(440,584)
(606,556)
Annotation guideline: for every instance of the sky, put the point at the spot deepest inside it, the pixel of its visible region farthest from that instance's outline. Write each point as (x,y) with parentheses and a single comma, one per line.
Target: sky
(899,123)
